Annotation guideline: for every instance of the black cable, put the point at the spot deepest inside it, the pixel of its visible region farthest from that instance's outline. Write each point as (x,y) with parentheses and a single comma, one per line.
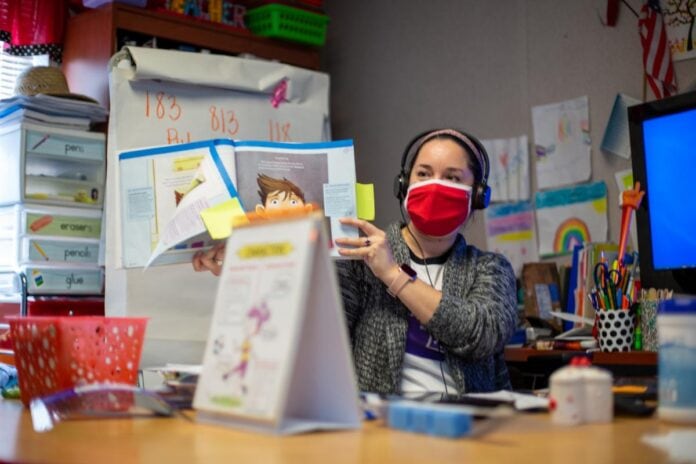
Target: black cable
(425,260)
(427,272)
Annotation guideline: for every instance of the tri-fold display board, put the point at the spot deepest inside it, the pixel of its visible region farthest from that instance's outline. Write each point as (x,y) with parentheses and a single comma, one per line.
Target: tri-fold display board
(278,357)
(163,97)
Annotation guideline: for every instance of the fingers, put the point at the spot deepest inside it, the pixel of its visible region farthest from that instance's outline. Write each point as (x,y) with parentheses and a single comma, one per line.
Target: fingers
(357,242)
(209,260)
(367,227)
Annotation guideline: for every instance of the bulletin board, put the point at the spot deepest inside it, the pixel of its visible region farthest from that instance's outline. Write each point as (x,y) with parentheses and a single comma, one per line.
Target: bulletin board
(164,97)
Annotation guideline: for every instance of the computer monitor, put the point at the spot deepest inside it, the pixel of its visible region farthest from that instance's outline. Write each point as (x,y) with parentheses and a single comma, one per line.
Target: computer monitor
(663,150)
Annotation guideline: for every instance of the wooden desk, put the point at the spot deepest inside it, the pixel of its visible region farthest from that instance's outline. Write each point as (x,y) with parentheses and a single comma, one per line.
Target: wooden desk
(530,368)
(634,358)
(520,440)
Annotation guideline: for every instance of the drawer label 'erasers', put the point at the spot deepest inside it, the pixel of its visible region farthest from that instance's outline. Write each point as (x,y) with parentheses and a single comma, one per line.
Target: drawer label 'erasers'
(63,226)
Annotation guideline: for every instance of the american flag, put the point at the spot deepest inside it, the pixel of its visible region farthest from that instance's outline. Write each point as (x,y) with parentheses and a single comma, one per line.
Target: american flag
(657,60)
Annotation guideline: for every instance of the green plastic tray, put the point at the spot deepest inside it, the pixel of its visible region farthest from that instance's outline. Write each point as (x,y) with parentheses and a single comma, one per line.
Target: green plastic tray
(285,22)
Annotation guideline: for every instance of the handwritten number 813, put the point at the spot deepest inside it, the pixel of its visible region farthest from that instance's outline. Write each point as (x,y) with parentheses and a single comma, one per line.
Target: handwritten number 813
(224,121)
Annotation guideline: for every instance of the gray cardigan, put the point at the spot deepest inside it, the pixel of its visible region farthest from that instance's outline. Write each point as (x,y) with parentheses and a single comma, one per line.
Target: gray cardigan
(475,318)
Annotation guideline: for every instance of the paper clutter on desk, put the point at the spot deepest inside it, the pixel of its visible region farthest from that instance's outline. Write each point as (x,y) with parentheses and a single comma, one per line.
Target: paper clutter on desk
(581,394)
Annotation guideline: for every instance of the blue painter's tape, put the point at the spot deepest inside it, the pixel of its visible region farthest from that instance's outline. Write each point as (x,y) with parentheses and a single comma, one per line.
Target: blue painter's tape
(223,172)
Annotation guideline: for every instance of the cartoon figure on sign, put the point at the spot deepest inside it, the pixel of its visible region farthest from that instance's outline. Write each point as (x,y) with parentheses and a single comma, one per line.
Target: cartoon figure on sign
(279,194)
(257,316)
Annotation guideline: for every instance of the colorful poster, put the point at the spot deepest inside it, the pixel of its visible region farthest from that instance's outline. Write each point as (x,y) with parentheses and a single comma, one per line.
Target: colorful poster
(509,168)
(571,216)
(510,231)
(562,143)
(679,23)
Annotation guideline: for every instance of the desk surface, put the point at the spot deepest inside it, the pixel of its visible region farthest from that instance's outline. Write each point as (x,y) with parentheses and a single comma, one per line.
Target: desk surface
(640,358)
(525,438)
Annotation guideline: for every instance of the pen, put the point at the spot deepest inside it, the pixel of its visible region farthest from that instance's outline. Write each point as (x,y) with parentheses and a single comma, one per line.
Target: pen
(619,300)
(43,139)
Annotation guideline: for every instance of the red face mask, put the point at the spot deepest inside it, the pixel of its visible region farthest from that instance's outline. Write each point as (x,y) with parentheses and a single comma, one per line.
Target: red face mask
(438,207)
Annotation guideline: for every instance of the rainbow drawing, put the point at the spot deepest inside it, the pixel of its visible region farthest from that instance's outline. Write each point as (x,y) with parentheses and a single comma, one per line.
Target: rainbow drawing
(573,231)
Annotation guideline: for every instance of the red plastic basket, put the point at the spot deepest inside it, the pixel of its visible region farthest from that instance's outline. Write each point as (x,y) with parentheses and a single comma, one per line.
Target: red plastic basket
(56,353)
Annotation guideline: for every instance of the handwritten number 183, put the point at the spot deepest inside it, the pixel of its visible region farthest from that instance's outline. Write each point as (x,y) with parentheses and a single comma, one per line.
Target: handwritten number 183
(161,106)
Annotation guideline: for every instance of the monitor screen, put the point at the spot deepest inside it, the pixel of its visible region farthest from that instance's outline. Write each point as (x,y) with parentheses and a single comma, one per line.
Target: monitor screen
(663,150)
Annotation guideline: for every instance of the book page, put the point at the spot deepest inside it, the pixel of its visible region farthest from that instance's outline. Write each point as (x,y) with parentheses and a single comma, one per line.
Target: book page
(164,190)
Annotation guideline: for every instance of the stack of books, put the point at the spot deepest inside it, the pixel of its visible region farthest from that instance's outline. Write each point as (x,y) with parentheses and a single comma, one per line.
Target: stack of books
(51,199)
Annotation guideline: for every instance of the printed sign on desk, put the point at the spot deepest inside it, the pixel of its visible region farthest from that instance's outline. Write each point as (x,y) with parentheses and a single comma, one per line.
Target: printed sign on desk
(277,357)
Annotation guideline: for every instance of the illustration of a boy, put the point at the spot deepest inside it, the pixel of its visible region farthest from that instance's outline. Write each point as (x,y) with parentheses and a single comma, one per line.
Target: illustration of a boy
(277,194)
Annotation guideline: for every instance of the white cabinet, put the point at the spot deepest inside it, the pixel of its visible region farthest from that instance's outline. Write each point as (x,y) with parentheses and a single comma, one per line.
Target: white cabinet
(52,166)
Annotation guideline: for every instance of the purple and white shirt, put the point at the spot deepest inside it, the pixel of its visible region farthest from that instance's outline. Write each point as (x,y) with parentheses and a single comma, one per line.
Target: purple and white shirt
(424,369)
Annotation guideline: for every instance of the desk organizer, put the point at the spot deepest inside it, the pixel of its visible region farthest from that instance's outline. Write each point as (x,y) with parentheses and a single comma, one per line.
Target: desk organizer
(56,353)
(52,165)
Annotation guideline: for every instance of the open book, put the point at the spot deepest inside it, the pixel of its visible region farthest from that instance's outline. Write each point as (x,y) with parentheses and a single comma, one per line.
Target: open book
(165,189)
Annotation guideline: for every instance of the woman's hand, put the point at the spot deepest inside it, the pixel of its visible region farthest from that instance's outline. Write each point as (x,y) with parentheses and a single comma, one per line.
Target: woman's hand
(374,248)
(210,260)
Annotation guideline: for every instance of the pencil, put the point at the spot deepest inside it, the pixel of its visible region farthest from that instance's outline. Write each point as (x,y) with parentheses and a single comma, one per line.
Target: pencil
(41,251)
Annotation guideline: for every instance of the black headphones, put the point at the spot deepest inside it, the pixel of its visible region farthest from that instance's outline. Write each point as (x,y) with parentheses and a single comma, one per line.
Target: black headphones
(481,192)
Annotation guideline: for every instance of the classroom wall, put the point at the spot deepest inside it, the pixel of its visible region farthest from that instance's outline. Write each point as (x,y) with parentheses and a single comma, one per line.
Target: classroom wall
(400,67)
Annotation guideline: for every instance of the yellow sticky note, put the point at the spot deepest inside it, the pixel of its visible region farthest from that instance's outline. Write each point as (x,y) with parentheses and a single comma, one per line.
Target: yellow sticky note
(365,198)
(218,219)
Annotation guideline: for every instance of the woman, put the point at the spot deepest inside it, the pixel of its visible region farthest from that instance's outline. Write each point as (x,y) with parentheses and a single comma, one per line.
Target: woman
(426,311)
(444,330)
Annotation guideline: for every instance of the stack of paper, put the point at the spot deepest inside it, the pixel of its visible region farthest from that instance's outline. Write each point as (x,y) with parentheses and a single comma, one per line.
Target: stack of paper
(54,111)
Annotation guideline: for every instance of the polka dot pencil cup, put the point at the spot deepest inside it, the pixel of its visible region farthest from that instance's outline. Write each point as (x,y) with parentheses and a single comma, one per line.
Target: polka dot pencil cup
(56,353)
(615,329)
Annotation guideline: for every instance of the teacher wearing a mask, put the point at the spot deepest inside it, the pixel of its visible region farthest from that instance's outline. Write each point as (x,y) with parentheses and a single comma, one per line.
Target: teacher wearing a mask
(427,312)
